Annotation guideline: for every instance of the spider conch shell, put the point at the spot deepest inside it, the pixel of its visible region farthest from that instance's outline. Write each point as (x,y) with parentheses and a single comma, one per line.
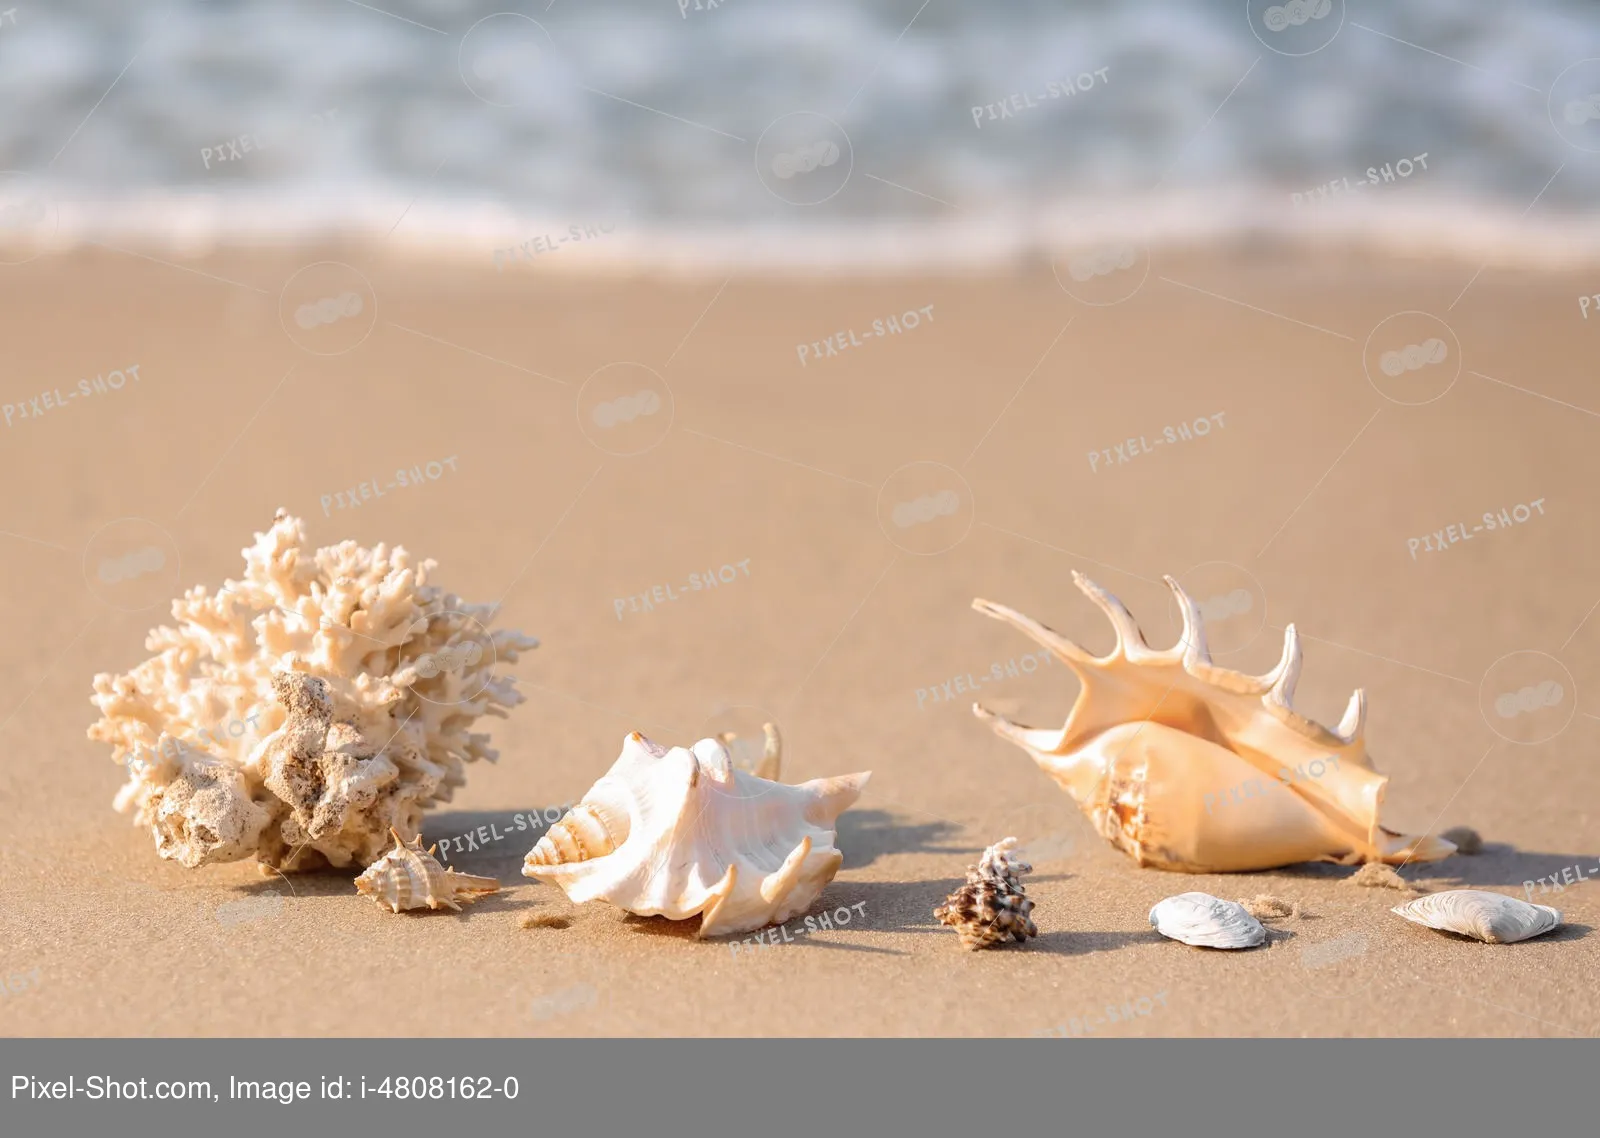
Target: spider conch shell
(409,877)
(683,831)
(1155,737)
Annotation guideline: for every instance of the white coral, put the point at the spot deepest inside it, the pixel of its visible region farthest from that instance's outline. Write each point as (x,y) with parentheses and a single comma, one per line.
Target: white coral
(363,681)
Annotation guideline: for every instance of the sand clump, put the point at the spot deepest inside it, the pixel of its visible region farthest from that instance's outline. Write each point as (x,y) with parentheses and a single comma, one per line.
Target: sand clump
(1266,907)
(1376,875)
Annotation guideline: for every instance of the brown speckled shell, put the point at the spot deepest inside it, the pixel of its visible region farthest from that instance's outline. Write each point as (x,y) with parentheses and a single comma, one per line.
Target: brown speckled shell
(993,906)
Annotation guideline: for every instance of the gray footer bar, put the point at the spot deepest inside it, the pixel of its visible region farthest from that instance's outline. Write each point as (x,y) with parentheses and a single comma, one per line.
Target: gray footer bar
(457,1087)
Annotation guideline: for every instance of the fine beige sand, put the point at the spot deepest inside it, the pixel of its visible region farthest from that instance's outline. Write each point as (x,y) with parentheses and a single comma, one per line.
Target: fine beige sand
(840,624)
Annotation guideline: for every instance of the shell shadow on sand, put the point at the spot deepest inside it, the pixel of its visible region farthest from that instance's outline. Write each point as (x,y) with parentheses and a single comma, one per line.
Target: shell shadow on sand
(1537,874)
(867,835)
(1500,864)
(872,907)
(1071,942)
(491,841)
(483,841)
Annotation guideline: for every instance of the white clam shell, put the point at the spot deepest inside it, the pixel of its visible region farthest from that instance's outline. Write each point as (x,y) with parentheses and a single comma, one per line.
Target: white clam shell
(681,832)
(1492,918)
(1207,922)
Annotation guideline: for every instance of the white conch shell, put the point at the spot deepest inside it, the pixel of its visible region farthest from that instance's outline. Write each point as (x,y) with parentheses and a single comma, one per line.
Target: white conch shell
(766,763)
(678,832)
(1153,733)
(1207,922)
(1490,917)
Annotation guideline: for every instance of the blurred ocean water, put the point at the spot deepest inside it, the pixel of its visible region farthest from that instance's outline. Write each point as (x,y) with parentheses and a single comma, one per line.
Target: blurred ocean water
(827,127)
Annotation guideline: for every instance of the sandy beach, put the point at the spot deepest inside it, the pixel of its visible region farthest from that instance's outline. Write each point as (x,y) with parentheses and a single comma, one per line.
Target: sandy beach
(1332,485)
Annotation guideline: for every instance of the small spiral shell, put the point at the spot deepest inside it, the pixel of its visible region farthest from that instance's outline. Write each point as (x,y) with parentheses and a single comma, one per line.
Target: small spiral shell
(409,877)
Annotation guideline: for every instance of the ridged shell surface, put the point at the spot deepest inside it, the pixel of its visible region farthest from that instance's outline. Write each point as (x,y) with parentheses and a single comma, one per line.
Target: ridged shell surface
(1207,922)
(1492,918)
(409,877)
(679,832)
(1156,739)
